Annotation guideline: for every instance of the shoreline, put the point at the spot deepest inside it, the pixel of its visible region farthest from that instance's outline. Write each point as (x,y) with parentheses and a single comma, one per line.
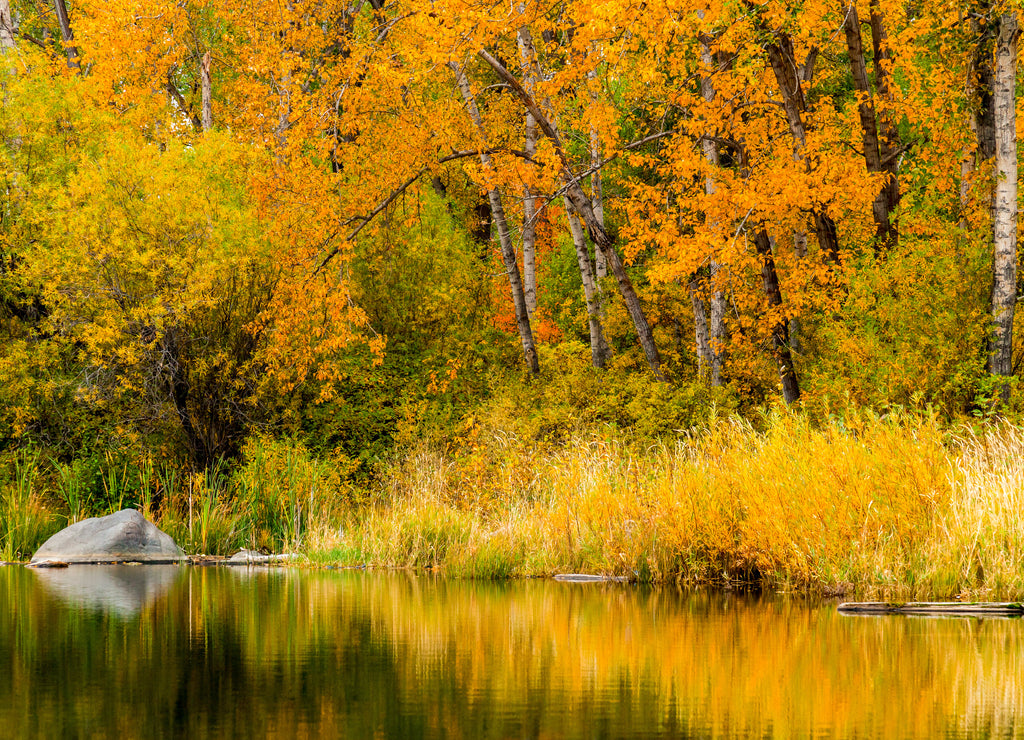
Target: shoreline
(888,508)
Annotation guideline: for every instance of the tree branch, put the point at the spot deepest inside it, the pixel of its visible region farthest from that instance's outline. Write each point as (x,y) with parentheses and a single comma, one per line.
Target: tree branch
(32,39)
(492,150)
(175,94)
(365,220)
(394,194)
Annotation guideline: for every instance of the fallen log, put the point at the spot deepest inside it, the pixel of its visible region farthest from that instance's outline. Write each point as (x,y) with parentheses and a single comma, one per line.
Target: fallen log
(936,608)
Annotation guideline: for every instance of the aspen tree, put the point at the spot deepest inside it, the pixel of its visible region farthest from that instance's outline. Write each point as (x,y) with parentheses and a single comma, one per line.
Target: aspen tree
(599,350)
(1004,217)
(528,54)
(877,133)
(207,93)
(709,330)
(68,37)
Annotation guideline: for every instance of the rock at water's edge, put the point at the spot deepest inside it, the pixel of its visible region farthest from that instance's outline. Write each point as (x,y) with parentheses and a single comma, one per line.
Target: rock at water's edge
(123,537)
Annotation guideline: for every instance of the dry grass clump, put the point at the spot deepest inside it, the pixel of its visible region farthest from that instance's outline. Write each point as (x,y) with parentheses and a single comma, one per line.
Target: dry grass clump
(25,522)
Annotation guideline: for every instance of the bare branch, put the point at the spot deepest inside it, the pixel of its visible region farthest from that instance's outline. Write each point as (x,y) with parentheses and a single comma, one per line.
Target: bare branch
(365,220)
(33,40)
(491,150)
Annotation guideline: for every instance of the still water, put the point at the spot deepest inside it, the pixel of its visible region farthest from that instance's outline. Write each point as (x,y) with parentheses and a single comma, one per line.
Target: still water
(173,651)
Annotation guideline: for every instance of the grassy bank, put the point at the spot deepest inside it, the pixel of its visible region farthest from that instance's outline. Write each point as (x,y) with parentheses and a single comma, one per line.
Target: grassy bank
(887,506)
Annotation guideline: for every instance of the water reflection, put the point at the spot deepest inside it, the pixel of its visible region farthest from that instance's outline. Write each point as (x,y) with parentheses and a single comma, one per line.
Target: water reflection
(292,654)
(119,589)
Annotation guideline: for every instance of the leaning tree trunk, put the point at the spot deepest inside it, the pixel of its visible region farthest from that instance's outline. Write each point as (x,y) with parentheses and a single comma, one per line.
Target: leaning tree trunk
(599,350)
(779,326)
(879,153)
(584,206)
(508,252)
(1004,212)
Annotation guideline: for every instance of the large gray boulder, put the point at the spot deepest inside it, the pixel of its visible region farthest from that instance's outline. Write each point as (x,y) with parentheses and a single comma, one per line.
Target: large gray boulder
(123,537)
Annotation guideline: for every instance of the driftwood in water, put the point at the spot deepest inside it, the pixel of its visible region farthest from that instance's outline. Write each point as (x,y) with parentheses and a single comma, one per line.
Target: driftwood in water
(245,557)
(253,557)
(936,608)
(47,564)
(587,578)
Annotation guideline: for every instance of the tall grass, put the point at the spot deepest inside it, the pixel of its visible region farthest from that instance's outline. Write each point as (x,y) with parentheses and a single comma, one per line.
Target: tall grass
(72,489)
(198,512)
(894,506)
(283,492)
(981,529)
(24,522)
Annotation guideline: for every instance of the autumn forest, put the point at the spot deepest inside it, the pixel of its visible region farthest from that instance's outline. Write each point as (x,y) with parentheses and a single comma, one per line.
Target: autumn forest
(695,291)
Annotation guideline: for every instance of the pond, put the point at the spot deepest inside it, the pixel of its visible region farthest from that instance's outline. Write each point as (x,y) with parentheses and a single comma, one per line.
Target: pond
(177,651)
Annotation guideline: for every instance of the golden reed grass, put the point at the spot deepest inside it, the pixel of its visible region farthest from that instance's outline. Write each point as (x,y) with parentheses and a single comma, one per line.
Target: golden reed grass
(895,507)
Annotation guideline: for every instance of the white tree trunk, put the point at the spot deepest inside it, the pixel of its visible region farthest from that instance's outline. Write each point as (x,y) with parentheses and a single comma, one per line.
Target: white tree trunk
(528,55)
(700,328)
(1004,221)
(584,207)
(530,225)
(599,351)
(714,344)
(207,93)
(597,194)
(7,30)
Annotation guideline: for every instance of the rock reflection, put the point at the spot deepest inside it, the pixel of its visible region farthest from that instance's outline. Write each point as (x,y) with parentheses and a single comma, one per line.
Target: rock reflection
(122,590)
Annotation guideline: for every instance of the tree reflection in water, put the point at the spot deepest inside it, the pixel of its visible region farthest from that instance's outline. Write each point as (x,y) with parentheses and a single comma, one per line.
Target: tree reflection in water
(283,653)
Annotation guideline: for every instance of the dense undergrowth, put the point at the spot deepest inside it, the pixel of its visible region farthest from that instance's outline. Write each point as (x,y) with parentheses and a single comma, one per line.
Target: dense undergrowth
(894,505)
